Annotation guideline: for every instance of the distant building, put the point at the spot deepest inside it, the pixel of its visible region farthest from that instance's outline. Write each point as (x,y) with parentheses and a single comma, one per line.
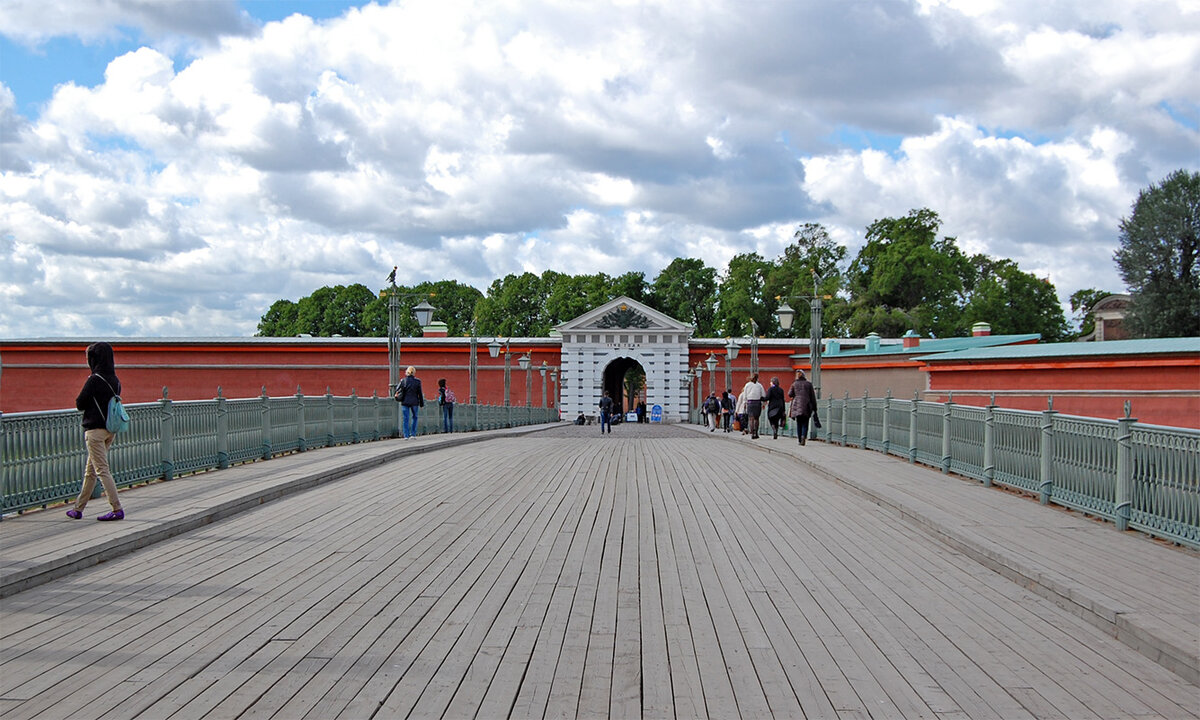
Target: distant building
(1109,314)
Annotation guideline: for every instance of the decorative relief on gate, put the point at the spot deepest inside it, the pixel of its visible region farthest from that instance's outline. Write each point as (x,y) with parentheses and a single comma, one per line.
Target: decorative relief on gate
(623,317)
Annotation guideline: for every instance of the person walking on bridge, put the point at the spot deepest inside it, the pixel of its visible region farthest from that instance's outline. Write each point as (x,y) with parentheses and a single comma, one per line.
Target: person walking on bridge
(753,394)
(100,387)
(804,405)
(606,409)
(411,399)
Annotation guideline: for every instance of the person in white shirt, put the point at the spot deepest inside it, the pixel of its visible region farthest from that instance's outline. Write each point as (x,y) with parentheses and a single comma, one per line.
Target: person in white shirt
(753,394)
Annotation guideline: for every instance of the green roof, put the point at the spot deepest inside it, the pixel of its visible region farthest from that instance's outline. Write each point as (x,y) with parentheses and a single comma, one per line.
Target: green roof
(1104,348)
(938,345)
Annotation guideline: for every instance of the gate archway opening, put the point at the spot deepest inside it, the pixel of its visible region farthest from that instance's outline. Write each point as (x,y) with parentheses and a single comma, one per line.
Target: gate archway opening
(625,380)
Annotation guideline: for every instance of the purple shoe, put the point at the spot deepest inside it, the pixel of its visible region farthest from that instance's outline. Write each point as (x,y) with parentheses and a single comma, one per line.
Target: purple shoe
(114,515)
(74,514)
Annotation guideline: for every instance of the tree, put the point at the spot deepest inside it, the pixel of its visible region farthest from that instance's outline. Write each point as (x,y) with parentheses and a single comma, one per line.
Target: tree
(1159,256)
(279,320)
(686,289)
(513,307)
(1082,302)
(1013,302)
(741,299)
(915,279)
(632,285)
(569,296)
(792,276)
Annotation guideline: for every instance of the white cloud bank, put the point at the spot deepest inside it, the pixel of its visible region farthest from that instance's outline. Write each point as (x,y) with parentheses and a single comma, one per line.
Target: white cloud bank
(184,194)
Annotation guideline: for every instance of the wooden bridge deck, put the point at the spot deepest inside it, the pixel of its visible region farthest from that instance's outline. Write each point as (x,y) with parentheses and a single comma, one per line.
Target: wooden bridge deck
(653,572)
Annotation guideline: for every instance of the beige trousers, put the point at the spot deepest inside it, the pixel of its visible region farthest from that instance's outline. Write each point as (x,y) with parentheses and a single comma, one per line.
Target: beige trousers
(98,442)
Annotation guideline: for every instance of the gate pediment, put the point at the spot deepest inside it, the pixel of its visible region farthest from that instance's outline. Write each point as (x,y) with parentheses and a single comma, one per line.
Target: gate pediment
(624,314)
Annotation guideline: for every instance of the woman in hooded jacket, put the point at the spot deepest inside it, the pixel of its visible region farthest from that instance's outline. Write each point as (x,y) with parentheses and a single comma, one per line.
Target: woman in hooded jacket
(93,399)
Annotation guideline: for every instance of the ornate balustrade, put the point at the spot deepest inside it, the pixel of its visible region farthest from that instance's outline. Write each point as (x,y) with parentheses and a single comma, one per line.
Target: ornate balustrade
(42,454)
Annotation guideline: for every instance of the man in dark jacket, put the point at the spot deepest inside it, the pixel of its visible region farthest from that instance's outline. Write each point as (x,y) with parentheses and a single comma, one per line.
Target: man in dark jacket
(100,387)
(410,397)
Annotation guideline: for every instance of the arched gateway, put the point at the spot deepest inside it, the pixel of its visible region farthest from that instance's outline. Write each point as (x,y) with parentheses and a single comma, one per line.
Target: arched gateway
(601,346)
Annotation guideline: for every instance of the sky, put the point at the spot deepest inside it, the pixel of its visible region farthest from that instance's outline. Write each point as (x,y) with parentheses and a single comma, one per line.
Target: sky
(171,168)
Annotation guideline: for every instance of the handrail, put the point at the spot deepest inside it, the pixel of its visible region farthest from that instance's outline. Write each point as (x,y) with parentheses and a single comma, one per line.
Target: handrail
(1135,475)
(42,454)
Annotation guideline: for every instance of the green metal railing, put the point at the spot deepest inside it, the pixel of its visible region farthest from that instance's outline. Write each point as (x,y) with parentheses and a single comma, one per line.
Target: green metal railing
(42,454)
(1144,477)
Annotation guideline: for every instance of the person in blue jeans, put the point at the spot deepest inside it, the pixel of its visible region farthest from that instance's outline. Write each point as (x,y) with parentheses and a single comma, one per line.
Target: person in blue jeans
(410,397)
(606,408)
(446,399)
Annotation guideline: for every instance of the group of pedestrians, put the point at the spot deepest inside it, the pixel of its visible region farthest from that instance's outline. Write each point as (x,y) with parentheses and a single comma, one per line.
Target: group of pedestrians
(412,399)
(745,408)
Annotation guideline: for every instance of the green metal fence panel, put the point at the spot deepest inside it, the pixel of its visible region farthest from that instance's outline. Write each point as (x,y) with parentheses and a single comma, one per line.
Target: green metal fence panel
(897,416)
(928,449)
(136,455)
(1017,453)
(195,446)
(1085,464)
(43,458)
(874,423)
(966,440)
(285,425)
(245,437)
(1166,483)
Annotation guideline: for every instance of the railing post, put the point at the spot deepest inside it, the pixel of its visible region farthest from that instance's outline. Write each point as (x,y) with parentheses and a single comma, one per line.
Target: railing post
(329,430)
(845,413)
(354,416)
(265,410)
(166,436)
(301,443)
(222,431)
(912,427)
(1124,490)
(375,414)
(989,443)
(862,422)
(887,406)
(1046,469)
(946,433)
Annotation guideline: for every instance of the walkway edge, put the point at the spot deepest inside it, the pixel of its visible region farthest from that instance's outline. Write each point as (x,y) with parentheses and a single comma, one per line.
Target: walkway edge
(1103,612)
(89,556)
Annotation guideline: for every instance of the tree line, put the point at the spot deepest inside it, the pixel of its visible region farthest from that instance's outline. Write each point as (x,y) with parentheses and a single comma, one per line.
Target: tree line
(905,277)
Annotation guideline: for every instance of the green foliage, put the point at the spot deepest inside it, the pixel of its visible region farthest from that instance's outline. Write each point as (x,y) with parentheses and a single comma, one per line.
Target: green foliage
(1014,302)
(906,271)
(1159,258)
(278,320)
(741,297)
(687,289)
(1082,302)
(513,307)
(812,264)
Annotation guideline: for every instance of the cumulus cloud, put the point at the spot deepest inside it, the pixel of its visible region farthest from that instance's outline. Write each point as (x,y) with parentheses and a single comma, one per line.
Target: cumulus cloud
(251,162)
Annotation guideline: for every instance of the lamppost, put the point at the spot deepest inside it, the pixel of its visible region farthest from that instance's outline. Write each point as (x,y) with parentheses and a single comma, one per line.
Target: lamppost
(494,350)
(699,384)
(423,312)
(542,370)
(731,353)
(786,316)
(554,384)
(474,365)
(753,347)
(711,362)
(687,383)
(524,361)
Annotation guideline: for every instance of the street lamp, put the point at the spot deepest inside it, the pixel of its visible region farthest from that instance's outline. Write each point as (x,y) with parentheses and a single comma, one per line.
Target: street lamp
(554,384)
(423,313)
(494,350)
(474,365)
(542,370)
(524,362)
(731,353)
(786,316)
(711,362)
(699,384)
